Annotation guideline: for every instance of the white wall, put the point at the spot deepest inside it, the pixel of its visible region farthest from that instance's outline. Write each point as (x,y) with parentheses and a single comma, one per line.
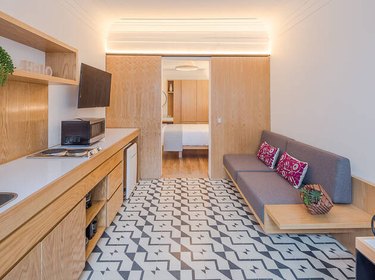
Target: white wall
(323,80)
(64,21)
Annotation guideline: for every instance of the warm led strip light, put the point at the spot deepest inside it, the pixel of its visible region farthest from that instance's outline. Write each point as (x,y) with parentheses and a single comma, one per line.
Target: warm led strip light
(189,37)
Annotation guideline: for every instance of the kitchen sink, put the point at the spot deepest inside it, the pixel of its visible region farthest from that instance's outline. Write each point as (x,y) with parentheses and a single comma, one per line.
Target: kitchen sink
(6,197)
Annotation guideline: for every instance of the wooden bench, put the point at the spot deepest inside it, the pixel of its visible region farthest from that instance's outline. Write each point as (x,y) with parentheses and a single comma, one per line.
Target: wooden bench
(291,218)
(344,221)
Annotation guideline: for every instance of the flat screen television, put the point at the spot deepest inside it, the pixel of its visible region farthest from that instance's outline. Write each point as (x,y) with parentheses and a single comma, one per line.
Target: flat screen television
(94,87)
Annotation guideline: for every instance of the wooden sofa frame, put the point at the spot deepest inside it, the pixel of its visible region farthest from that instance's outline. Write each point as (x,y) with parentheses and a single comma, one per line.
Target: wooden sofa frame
(344,221)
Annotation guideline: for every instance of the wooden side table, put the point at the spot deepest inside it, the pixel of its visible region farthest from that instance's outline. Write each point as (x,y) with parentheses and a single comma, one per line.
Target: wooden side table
(365,254)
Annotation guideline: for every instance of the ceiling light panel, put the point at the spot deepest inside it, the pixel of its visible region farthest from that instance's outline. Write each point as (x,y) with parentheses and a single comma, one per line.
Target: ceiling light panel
(189,36)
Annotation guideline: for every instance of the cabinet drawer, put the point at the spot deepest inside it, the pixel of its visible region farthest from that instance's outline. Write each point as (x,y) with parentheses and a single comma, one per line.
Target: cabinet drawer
(29,267)
(114,204)
(63,249)
(114,180)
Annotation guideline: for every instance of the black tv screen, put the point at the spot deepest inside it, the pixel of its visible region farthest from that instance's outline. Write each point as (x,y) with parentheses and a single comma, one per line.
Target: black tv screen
(94,87)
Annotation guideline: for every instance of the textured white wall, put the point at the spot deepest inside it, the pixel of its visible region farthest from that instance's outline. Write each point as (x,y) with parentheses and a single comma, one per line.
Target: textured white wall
(62,20)
(322,80)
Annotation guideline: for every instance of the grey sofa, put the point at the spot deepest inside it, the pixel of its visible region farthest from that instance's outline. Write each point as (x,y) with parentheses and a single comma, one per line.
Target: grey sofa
(262,186)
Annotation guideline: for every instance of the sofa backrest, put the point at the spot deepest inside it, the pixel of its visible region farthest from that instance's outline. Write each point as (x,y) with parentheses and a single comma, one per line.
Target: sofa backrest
(274,139)
(330,170)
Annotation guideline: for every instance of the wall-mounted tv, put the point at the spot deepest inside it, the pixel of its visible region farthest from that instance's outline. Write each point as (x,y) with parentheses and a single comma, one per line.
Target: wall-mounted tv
(94,87)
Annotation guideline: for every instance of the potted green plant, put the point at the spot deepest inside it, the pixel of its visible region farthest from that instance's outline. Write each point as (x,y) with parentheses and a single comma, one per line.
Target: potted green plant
(316,199)
(6,66)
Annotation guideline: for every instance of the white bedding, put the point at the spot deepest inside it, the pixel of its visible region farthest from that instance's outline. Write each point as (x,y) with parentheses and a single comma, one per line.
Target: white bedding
(192,135)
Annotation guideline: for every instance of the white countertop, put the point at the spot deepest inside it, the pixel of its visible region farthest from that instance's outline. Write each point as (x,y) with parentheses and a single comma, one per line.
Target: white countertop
(26,176)
(371,242)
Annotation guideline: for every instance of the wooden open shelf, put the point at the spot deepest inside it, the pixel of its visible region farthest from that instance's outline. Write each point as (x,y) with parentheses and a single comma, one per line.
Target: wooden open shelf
(58,55)
(24,76)
(92,243)
(20,32)
(94,210)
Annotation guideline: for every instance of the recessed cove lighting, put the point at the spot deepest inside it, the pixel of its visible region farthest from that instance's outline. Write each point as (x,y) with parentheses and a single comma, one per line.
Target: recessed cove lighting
(187,68)
(211,36)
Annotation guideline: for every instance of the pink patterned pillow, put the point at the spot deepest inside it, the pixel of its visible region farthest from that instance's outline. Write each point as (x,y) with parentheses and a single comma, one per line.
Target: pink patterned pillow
(268,154)
(292,169)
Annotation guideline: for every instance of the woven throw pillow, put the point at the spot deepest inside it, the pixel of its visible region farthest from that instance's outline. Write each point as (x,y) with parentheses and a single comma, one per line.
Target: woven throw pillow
(292,169)
(268,154)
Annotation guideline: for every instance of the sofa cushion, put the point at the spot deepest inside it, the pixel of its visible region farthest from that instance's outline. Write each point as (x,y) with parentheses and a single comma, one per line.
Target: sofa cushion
(327,169)
(292,169)
(262,188)
(235,163)
(276,140)
(268,154)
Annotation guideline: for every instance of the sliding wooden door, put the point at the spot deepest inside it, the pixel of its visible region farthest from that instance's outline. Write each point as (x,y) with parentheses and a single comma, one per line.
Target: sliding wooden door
(240,107)
(135,102)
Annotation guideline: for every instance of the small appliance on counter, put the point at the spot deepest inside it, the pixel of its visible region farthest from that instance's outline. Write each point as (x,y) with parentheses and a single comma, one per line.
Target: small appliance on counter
(82,131)
(66,153)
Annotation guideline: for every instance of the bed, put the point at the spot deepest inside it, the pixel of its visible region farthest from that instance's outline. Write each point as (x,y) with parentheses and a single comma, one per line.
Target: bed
(177,137)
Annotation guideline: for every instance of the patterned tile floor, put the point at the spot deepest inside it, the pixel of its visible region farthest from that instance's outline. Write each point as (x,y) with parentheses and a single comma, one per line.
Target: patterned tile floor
(202,229)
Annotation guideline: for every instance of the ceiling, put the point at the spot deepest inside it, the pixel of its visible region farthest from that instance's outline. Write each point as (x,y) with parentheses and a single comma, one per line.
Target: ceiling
(170,63)
(105,12)
(276,15)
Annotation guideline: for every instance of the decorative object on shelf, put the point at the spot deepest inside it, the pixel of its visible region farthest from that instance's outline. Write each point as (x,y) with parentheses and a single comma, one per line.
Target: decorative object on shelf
(316,199)
(6,66)
(33,67)
(373,224)
(48,71)
(164,98)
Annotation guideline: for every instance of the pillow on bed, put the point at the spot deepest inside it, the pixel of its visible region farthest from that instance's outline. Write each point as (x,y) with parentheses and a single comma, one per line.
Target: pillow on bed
(268,154)
(292,169)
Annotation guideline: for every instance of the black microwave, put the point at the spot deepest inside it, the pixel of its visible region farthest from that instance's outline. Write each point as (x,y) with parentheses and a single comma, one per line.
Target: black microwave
(82,131)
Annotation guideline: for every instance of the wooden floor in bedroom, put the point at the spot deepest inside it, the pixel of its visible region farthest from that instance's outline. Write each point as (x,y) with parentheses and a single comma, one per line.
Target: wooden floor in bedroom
(193,164)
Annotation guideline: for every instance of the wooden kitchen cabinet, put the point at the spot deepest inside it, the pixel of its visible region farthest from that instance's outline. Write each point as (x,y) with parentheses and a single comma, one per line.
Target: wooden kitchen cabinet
(190,101)
(60,255)
(63,249)
(202,101)
(114,179)
(50,242)
(114,204)
(29,267)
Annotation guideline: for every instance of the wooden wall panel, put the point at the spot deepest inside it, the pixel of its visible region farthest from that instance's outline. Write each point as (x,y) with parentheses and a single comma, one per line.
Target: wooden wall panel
(188,101)
(202,101)
(177,102)
(63,65)
(135,102)
(363,198)
(23,119)
(364,195)
(240,96)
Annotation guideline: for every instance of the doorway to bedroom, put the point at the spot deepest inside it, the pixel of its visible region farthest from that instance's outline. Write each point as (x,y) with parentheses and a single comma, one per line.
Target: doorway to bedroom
(185,117)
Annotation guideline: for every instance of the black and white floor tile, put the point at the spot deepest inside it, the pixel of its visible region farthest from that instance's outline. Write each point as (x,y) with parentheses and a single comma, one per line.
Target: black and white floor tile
(202,229)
